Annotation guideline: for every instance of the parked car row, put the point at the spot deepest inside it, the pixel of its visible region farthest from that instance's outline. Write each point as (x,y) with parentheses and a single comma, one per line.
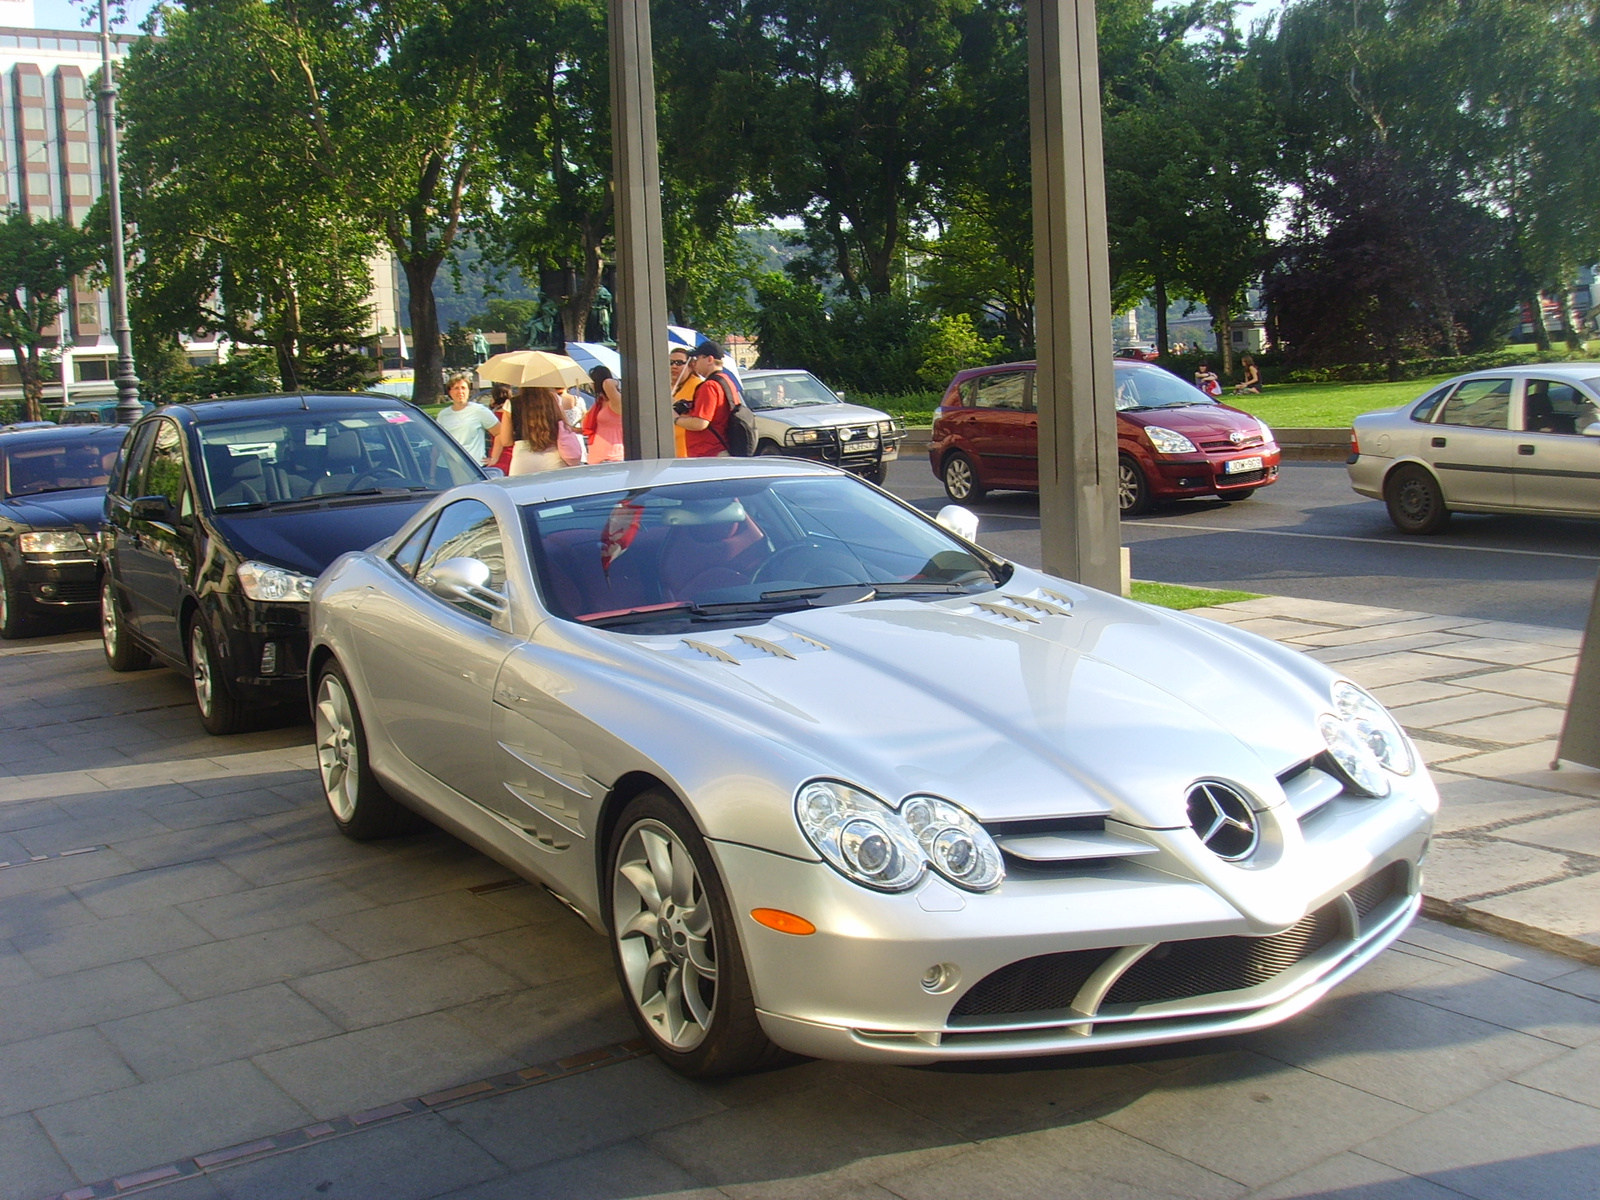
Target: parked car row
(683,697)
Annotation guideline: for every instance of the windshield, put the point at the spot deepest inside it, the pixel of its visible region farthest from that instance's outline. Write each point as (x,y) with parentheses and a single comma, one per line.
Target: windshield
(255,462)
(792,389)
(738,550)
(1151,387)
(38,466)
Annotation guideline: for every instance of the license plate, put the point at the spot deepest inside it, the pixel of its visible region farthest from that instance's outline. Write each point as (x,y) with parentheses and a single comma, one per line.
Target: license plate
(1240,465)
(866,447)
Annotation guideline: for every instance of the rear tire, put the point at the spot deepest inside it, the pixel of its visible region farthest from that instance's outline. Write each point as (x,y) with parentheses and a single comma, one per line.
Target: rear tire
(14,620)
(676,948)
(122,652)
(220,712)
(1415,501)
(356,800)
(960,479)
(1133,491)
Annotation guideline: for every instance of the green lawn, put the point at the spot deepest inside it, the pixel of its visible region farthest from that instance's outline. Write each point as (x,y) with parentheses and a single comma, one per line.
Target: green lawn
(1176,595)
(1327,405)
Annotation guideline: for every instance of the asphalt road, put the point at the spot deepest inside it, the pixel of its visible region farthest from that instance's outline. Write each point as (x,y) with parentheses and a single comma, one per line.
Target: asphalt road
(1309,535)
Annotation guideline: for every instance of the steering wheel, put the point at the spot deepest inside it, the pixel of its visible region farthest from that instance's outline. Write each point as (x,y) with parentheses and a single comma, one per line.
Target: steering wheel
(799,560)
(376,479)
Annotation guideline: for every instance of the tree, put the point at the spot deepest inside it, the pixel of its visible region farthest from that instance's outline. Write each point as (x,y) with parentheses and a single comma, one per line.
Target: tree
(364,118)
(38,259)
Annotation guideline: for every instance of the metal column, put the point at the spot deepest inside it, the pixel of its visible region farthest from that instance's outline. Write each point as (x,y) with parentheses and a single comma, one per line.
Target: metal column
(1073,387)
(641,272)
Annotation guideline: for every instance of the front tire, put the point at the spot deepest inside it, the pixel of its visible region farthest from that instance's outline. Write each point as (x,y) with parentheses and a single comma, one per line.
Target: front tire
(122,652)
(1133,490)
(220,712)
(769,449)
(1415,502)
(675,947)
(14,620)
(960,479)
(356,800)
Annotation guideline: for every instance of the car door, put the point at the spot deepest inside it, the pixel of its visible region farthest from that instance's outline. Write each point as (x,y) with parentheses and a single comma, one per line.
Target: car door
(1472,447)
(119,521)
(1558,469)
(1002,427)
(159,555)
(429,663)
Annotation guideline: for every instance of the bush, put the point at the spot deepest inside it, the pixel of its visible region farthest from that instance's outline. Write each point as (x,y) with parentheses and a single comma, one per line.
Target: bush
(1417,368)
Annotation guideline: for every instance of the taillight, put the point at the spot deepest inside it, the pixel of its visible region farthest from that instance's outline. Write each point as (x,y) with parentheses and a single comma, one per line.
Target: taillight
(1355,442)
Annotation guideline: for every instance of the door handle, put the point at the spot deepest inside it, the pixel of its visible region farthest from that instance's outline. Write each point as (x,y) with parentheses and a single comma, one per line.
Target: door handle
(1439,443)
(1524,449)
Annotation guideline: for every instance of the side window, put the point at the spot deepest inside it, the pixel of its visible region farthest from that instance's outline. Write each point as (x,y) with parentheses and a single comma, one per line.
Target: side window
(1479,404)
(1005,391)
(467,529)
(1430,404)
(131,468)
(405,558)
(163,474)
(1549,406)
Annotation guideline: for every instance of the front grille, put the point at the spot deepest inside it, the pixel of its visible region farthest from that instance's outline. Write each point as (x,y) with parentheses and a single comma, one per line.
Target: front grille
(87,592)
(1369,894)
(1178,970)
(1227,444)
(1049,981)
(1242,478)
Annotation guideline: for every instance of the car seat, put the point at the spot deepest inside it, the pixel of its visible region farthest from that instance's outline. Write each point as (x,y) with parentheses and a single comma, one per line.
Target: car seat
(577,580)
(708,549)
(345,462)
(235,479)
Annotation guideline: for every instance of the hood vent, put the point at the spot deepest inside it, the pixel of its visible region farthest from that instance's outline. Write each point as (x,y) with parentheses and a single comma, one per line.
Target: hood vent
(1063,840)
(1029,608)
(1006,610)
(715,652)
(762,644)
(742,648)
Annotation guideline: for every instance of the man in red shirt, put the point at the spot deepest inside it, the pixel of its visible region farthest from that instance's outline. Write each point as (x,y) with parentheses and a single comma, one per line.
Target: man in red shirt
(705,424)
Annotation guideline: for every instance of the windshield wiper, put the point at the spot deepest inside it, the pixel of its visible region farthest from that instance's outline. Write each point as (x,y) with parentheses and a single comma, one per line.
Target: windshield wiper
(259,505)
(770,602)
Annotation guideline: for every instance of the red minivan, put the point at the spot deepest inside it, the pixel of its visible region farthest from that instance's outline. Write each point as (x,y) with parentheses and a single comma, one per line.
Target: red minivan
(1173,441)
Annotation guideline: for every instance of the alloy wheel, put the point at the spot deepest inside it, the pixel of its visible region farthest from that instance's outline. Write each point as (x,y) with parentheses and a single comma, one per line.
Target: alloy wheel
(5,601)
(958,478)
(201,670)
(1127,486)
(666,937)
(110,632)
(338,759)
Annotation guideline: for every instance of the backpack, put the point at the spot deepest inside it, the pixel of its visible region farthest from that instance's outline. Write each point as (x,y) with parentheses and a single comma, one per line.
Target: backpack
(740,438)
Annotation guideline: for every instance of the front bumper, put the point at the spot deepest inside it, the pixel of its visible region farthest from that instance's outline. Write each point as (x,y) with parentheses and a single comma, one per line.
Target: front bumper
(1209,476)
(848,456)
(61,581)
(267,645)
(854,989)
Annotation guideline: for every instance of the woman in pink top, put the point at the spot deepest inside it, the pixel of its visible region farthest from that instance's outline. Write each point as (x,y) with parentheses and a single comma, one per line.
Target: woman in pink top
(541,438)
(602,424)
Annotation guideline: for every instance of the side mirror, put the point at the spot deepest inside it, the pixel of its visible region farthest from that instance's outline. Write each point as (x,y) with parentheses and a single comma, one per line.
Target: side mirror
(152,508)
(464,579)
(494,473)
(1592,430)
(959,521)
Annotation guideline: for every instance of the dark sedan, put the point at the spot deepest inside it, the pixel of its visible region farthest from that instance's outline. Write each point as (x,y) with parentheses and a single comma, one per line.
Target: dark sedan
(52,491)
(224,512)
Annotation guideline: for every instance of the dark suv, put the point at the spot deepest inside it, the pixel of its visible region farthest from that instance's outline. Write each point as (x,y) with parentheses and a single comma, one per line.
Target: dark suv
(220,516)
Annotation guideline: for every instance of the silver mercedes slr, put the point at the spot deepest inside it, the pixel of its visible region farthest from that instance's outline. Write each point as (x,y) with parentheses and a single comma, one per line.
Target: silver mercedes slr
(836,781)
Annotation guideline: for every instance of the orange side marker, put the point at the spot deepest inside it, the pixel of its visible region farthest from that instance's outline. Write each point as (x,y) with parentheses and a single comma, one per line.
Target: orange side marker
(783,922)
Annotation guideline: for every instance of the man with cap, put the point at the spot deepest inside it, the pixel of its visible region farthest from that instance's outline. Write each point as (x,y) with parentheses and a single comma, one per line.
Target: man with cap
(704,419)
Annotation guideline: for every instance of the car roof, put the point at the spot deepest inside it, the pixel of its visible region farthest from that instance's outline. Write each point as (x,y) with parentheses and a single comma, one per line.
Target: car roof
(1121,364)
(58,433)
(1562,370)
(574,482)
(204,412)
(761,374)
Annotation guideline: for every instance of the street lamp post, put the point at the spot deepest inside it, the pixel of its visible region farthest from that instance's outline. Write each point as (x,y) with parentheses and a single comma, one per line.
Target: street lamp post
(128,406)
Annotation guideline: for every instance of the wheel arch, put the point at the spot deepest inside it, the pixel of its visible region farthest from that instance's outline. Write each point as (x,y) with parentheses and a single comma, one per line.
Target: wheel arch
(1397,464)
(628,786)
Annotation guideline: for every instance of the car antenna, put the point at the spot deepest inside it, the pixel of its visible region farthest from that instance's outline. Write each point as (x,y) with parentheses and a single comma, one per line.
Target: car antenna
(294,379)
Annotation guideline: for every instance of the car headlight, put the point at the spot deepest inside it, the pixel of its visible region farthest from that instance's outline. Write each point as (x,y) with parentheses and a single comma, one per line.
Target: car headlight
(1266,430)
(861,837)
(886,428)
(1168,441)
(800,437)
(263,581)
(1364,740)
(51,541)
(958,847)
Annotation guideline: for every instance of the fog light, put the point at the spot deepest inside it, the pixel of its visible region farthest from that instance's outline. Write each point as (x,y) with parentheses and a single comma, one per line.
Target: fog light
(269,659)
(940,978)
(47,589)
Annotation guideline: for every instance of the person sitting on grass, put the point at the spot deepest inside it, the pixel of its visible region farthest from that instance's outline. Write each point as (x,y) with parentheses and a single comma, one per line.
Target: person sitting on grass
(1252,378)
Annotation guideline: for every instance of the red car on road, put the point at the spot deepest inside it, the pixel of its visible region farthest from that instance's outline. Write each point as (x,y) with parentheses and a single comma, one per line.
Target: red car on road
(1173,441)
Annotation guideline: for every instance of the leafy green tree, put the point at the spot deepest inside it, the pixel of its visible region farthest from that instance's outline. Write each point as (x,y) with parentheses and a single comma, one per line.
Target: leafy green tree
(953,344)
(38,259)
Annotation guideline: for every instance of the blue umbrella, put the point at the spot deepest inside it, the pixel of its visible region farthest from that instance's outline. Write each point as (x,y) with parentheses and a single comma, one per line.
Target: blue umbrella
(590,355)
(682,335)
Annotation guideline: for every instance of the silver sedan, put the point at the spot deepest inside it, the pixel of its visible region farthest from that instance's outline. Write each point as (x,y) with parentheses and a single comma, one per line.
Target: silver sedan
(833,780)
(1519,440)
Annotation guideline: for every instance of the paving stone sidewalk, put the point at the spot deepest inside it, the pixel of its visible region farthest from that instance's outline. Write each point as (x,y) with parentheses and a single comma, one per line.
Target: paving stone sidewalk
(192,960)
(1518,844)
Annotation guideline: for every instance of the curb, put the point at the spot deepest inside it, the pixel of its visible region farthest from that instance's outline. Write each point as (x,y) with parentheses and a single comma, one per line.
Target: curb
(1529,935)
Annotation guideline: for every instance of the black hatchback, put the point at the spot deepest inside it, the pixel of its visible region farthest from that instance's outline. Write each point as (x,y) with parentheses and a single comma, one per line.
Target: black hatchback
(221,515)
(52,492)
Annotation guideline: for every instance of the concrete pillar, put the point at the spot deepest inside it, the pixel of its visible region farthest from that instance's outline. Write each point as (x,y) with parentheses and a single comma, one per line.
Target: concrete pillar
(641,291)
(1073,387)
